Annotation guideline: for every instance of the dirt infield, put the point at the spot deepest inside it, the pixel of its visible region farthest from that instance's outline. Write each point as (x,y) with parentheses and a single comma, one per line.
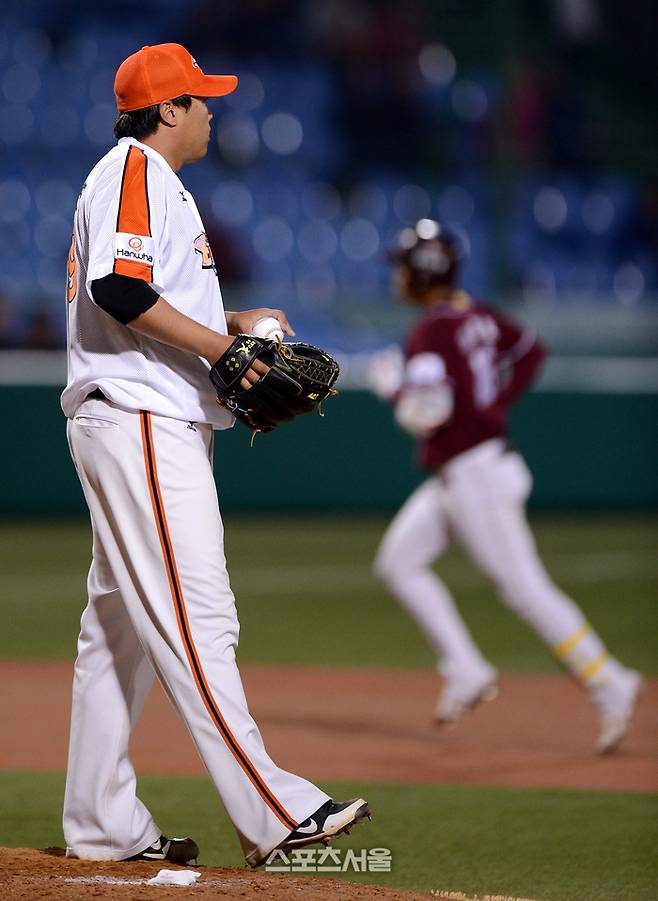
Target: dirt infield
(356,724)
(340,724)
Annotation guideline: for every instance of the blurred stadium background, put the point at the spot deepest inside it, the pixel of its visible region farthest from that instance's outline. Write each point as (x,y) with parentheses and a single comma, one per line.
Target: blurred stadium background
(529,125)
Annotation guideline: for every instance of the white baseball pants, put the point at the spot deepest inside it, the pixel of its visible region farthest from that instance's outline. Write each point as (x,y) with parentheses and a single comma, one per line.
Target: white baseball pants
(479,499)
(160,602)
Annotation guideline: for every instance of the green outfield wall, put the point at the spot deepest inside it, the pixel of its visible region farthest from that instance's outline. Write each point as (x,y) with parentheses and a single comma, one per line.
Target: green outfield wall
(587,451)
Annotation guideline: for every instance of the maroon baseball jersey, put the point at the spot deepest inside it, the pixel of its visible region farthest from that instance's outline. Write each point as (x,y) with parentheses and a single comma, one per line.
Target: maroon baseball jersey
(489,361)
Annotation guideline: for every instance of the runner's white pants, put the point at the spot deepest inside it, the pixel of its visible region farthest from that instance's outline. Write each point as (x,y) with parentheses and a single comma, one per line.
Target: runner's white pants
(160,602)
(479,499)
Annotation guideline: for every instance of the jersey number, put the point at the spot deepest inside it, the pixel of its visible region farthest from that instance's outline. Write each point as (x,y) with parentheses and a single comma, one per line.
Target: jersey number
(482,363)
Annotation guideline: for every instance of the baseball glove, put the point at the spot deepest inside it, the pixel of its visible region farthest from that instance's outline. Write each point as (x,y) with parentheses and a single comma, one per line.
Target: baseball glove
(300,378)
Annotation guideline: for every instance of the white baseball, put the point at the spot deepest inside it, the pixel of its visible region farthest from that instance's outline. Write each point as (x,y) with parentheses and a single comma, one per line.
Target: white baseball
(267,327)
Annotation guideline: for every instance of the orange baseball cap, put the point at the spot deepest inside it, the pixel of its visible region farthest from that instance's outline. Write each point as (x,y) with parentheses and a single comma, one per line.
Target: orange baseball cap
(163,72)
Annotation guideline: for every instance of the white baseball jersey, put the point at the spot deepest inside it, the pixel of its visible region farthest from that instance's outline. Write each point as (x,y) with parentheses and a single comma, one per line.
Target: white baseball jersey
(135,218)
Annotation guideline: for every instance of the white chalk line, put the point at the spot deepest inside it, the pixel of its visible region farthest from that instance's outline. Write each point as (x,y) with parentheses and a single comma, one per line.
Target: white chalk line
(122,880)
(227,883)
(460,896)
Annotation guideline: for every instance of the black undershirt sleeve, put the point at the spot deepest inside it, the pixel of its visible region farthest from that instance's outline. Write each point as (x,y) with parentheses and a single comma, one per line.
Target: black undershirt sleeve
(124,298)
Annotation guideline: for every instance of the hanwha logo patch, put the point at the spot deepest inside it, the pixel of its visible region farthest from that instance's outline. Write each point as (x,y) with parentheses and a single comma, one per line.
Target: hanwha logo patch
(136,244)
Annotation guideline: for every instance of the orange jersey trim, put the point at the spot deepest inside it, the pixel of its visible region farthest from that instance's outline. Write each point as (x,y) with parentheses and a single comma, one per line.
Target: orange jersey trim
(133,269)
(134,214)
(186,634)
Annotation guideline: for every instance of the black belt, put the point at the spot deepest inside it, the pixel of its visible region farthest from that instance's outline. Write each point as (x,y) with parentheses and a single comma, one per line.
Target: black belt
(96,394)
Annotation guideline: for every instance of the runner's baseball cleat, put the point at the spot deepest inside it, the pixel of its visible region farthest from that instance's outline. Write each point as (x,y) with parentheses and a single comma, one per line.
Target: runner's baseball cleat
(616,700)
(175,850)
(462,694)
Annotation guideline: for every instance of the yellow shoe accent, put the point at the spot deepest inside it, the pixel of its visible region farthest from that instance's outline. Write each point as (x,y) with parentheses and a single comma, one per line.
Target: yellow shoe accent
(592,668)
(569,644)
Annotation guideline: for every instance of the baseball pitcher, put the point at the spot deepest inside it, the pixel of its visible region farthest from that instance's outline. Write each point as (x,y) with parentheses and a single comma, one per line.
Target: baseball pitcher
(146,332)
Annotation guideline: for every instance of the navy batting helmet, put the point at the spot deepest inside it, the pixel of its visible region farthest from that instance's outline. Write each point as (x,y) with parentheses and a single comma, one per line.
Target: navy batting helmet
(431,253)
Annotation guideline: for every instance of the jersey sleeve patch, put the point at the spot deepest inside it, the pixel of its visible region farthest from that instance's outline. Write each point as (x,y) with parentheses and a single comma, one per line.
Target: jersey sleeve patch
(134,247)
(138,251)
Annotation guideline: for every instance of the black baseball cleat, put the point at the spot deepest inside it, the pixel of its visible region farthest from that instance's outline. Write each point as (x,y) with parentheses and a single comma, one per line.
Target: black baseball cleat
(175,850)
(333,818)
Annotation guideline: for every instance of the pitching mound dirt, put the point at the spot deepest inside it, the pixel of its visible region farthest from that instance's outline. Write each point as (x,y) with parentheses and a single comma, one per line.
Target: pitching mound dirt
(27,875)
